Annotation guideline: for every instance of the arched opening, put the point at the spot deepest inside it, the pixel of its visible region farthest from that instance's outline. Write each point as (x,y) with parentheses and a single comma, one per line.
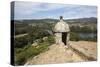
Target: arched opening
(64,37)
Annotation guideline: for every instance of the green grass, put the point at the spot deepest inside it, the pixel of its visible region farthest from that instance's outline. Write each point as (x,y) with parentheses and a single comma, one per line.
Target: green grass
(29,51)
(73,36)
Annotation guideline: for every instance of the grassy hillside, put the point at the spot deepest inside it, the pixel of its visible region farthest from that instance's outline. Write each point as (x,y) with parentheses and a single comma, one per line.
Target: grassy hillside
(28,32)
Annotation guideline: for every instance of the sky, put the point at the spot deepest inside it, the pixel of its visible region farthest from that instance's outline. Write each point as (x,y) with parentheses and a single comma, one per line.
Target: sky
(37,10)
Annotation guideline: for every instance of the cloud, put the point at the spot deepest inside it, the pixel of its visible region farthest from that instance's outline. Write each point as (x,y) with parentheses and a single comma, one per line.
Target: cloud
(29,10)
(26,8)
(80,11)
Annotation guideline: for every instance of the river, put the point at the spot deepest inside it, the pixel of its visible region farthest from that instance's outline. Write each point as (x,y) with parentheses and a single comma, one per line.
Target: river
(87,35)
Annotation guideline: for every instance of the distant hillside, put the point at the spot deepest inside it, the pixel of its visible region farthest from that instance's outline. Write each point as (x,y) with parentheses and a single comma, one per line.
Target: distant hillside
(79,20)
(91,19)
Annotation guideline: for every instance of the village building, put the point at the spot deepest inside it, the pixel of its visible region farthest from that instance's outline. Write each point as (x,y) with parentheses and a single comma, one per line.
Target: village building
(61,32)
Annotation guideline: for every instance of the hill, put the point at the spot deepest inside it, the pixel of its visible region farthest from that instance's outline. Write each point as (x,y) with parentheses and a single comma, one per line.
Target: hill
(80,20)
(83,51)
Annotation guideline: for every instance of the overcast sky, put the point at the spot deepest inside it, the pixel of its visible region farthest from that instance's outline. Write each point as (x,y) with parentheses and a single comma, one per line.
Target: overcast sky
(33,10)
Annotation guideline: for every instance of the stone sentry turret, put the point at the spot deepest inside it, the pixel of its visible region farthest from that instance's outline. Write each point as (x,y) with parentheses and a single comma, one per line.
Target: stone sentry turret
(61,31)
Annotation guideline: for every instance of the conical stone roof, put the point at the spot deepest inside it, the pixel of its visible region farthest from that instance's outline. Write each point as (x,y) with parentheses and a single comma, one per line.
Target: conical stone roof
(61,27)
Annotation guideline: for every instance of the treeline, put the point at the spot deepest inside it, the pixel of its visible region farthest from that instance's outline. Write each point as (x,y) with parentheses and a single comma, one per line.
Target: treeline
(75,37)
(33,34)
(86,29)
(22,28)
(26,28)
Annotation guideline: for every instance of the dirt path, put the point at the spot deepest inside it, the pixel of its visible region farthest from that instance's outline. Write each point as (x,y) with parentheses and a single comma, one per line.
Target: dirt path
(20,35)
(86,49)
(57,54)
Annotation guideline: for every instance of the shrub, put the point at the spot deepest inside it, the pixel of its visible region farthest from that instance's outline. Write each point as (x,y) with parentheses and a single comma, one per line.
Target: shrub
(74,36)
(20,42)
(51,39)
(29,51)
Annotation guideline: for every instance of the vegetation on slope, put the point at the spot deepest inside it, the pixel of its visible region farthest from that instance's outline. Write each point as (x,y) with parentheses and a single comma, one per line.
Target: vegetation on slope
(38,29)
